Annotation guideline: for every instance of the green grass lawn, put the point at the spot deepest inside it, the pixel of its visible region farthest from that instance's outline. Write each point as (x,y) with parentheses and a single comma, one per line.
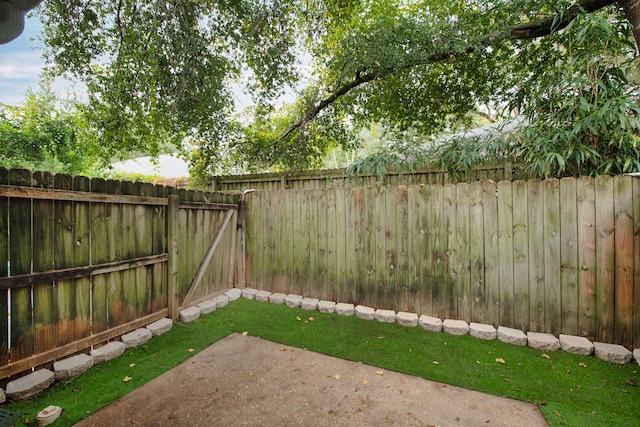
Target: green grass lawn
(570,390)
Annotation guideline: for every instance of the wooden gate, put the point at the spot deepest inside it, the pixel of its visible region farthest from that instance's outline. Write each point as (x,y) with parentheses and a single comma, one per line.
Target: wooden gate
(83,261)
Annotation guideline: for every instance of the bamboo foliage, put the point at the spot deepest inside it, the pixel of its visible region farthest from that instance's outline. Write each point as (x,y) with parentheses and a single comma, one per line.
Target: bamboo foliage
(555,256)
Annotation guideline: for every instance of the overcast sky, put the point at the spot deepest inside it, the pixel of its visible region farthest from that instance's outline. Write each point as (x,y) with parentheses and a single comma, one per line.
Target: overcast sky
(20,64)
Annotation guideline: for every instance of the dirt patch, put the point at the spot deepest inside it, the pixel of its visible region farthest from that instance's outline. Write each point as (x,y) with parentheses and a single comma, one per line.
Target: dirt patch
(247,381)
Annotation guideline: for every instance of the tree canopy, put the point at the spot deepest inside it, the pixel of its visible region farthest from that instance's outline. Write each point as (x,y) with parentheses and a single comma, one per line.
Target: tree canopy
(161,72)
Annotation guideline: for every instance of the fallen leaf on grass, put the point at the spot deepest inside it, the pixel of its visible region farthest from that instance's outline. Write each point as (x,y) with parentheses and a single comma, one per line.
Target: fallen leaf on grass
(245,333)
(545,356)
(631,383)
(584,365)
(557,414)
(190,350)
(311,319)
(435,363)
(298,318)
(500,360)
(126,379)
(553,367)
(131,365)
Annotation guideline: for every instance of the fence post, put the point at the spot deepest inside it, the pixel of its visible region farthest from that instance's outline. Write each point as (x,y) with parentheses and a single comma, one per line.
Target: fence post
(172,274)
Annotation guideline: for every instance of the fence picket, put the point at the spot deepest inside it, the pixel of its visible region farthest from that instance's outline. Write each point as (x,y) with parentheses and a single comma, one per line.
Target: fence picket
(505,253)
(463,269)
(605,255)
(586,220)
(491,252)
(552,267)
(568,255)
(451,277)
(476,254)
(4,270)
(623,217)
(536,256)
(521,276)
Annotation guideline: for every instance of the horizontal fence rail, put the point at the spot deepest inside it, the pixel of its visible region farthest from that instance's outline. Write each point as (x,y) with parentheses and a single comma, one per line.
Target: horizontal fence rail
(555,256)
(339,178)
(83,261)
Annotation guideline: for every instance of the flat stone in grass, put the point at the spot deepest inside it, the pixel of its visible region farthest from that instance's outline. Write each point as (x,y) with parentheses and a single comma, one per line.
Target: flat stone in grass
(636,355)
(309,303)
(136,338)
(277,298)
(429,323)
(364,312)
(208,306)
(543,342)
(482,331)
(455,327)
(576,345)
(326,306)
(72,366)
(512,336)
(263,296)
(613,353)
(190,314)
(407,319)
(343,309)
(160,326)
(221,300)
(386,316)
(107,352)
(30,385)
(233,294)
(293,300)
(249,293)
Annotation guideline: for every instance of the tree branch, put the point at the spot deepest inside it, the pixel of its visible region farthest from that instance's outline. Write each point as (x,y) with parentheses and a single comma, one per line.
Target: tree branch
(529,30)
(558,21)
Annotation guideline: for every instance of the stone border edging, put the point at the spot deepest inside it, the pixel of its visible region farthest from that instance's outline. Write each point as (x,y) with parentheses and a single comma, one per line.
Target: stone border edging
(36,382)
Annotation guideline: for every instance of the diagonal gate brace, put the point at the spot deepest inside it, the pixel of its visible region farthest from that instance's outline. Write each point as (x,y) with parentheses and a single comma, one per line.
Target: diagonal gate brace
(207,258)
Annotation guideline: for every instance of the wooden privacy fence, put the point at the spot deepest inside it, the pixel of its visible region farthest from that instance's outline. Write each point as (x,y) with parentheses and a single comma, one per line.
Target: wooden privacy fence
(555,256)
(85,260)
(338,178)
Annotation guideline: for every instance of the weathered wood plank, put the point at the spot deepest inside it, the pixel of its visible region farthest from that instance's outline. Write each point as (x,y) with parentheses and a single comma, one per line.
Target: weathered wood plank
(636,257)
(391,238)
(281,280)
(450,280)
(20,256)
(370,248)
(605,258)
(64,224)
(159,245)
(569,256)
(491,252)
(623,287)
(44,250)
(463,268)
(382,267)
(361,245)
(99,255)
(20,192)
(301,213)
(479,295)
(82,257)
(343,256)
(520,256)
(586,219)
(334,241)
(403,274)
(289,211)
(414,240)
(505,253)
(438,249)
(552,267)
(4,270)
(425,230)
(535,202)
(348,250)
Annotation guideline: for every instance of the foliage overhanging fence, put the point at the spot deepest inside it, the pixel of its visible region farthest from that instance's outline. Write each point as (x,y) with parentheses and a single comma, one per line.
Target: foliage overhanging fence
(557,256)
(85,260)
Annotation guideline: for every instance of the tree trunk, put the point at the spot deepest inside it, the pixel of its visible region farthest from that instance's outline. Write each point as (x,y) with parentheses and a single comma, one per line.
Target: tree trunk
(632,11)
